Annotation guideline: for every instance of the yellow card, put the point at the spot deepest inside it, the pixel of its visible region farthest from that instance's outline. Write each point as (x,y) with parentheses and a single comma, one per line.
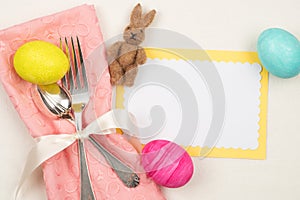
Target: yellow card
(224,113)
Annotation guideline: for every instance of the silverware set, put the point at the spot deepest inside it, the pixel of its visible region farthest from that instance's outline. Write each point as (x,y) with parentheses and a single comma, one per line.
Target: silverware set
(69,104)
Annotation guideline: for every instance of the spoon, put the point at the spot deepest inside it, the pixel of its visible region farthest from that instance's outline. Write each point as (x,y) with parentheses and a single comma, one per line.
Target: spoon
(58,100)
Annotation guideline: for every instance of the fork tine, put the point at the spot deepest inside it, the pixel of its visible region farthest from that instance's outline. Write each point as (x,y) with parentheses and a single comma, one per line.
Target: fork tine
(64,79)
(83,70)
(76,64)
(70,73)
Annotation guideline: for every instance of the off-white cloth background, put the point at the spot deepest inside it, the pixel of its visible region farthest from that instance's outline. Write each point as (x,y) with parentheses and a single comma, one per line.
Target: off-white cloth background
(228,25)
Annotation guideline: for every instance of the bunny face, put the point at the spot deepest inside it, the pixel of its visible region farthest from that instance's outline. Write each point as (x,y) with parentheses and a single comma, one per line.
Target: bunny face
(134,33)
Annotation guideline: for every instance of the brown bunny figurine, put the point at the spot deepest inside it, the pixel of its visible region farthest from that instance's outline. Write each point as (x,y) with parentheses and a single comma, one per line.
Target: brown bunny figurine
(124,57)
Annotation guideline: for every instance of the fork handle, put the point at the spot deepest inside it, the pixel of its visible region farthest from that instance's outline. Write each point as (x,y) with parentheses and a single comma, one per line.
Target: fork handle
(125,173)
(86,191)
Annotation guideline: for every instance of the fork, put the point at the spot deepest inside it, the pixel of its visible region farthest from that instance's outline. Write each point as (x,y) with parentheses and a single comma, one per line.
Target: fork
(80,97)
(77,83)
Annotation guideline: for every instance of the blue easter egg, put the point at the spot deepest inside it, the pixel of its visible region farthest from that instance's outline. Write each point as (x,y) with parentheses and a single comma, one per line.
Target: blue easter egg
(279,52)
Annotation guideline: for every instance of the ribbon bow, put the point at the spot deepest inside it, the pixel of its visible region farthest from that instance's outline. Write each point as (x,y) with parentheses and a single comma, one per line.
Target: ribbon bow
(49,145)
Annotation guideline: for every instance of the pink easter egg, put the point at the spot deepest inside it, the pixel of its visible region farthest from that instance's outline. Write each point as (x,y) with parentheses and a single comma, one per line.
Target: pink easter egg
(167,163)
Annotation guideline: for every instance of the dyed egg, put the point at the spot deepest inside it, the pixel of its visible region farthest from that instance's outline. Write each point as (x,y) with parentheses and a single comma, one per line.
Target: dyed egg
(279,52)
(167,163)
(40,62)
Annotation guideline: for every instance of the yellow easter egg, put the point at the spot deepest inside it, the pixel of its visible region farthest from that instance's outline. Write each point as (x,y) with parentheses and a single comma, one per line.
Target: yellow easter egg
(40,62)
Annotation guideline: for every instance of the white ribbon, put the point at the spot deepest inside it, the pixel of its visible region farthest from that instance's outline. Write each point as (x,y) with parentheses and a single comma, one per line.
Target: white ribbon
(49,145)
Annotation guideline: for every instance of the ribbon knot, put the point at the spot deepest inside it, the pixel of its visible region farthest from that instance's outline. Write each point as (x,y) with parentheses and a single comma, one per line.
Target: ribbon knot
(81,135)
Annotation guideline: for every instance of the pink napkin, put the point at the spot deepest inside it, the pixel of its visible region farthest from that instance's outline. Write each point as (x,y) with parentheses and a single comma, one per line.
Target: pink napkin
(61,172)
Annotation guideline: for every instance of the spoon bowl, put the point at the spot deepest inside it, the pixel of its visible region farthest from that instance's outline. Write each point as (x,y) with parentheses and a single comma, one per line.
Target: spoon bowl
(57,99)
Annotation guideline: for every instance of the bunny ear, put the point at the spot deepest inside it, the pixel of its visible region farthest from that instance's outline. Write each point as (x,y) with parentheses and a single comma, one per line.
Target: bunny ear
(136,15)
(148,18)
